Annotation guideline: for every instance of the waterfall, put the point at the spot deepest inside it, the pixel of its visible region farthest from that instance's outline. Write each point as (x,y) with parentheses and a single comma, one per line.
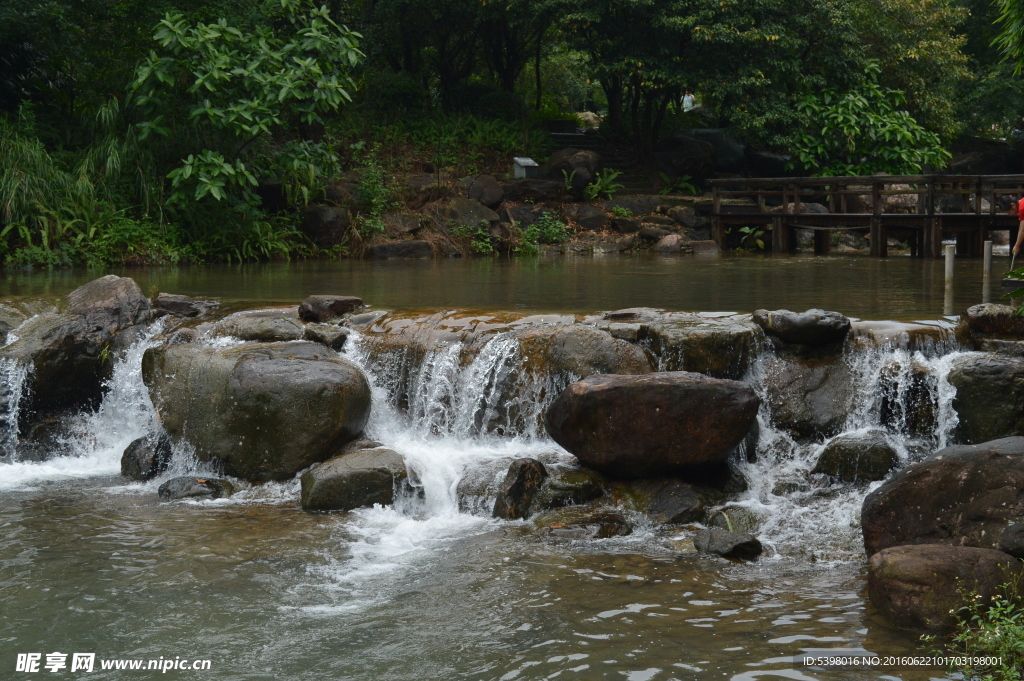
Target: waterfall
(94,440)
(13,375)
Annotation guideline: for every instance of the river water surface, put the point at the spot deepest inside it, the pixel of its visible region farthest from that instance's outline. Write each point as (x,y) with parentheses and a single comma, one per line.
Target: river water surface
(431,589)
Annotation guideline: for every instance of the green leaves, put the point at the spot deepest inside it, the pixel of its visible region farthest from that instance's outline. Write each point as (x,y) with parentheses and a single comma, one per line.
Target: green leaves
(209,174)
(863,131)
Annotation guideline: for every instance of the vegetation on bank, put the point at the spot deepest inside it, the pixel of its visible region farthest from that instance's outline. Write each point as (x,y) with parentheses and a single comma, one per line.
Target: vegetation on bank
(175,131)
(992,633)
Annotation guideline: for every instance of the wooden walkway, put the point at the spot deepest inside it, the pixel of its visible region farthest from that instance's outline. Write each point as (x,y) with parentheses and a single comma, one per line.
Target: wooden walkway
(924,209)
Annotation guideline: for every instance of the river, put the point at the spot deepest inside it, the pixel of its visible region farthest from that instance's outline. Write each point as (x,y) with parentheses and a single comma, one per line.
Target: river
(433,588)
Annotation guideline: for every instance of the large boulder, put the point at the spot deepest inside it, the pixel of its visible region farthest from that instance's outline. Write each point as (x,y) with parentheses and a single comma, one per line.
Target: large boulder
(813,327)
(529,189)
(858,457)
(730,155)
(419,189)
(569,488)
(575,167)
(326,226)
(681,155)
(70,353)
(919,587)
(809,399)
(264,411)
(482,188)
(989,398)
(517,491)
(467,213)
(357,478)
(669,244)
(651,425)
(964,495)
(264,326)
(146,457)
(590,217)
(326,308)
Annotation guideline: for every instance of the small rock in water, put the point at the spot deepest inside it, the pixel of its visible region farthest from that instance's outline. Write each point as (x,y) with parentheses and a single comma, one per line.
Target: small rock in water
(522,482)
(737,545)
(858,457)
(182,306)
(146,457)
(666,500)
(326,308)
(735,519)
(570,487)
(330,335)
(601,524)
(813,327)
(190,487)
(356,479)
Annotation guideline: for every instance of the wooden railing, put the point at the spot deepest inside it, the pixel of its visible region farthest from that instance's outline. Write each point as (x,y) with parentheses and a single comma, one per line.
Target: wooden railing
(737,201)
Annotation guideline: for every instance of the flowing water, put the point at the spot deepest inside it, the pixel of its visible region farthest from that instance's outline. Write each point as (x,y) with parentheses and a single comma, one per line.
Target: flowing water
(433,588)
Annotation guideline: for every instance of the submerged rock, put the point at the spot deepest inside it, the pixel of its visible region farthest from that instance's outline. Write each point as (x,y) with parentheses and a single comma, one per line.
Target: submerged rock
(918,587)
(521,484)
(813,327)
(962,495)
(70,353)
(264,326)
(146,457)
(989,396)
(666,500)
(191,487)
(358,478)
(576,523)
(653,424)
(327,308)
(735,545)
(416,248)
(861,457)
(266,411)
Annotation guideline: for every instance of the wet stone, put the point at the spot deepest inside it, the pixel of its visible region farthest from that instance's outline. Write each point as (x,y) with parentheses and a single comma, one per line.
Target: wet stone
(569,488)
(521,484)
(326,308)
(190,487)
(146,457)
(735,545)
(861,457)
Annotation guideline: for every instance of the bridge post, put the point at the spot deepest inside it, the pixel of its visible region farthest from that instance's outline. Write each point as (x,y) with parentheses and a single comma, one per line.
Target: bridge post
(879,234)
(717,233)
(822,242)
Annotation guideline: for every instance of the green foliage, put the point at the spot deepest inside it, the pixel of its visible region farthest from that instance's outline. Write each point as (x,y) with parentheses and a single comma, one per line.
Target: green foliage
(992,630)
(920,44)
(548,229)
(216,89)
(377,195)
(621,212)
(1010,40)
(604,185)
(750,239)
(681,185)
(479,237)
(863,131)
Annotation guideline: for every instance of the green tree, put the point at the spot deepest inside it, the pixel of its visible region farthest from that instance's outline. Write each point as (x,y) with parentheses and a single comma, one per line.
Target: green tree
(216,90)
(919,43)
(864,131)
(1011,38)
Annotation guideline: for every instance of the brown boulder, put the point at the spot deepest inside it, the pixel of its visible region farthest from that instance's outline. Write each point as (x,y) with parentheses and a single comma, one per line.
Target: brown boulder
(919,587)
(521,484)
(963,495)
(651,425)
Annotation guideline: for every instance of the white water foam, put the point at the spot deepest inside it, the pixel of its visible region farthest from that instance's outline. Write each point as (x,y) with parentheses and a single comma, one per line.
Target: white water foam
(13,375)
(96,439)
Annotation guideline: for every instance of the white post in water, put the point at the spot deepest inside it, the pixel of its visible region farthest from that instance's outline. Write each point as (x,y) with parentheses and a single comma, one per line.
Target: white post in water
(947,307)
(986,280)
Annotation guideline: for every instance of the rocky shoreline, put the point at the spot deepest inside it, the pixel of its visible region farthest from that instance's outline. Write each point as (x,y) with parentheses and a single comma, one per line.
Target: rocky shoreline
(655,406)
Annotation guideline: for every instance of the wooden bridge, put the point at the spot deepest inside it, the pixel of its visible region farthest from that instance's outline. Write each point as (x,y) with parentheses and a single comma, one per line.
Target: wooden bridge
(924,209)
